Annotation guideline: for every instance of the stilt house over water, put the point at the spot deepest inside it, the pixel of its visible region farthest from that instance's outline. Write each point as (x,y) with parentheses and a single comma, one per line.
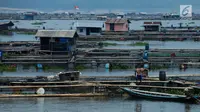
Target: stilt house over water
(117,24)
(57,41)
(6,25)
(152,26)
(89,29)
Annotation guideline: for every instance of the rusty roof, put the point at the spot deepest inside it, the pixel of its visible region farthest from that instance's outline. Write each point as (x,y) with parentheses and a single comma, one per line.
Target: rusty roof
(117,21)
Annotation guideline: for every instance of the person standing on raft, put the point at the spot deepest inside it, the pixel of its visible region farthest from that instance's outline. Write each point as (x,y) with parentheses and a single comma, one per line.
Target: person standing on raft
(139,74)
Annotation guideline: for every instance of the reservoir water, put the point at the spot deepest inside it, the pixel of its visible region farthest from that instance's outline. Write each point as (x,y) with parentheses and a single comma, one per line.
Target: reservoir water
(96,104)
(92,105)
(66,24)
(99,72)
(189,44)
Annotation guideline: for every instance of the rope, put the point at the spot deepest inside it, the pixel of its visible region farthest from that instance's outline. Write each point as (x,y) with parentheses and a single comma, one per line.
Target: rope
(197,100)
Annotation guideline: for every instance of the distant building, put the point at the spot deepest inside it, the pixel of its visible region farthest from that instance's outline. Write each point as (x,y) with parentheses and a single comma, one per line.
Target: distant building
(89,29)
(117,25)
(6,25)
(29,15)
(57,41)
(120,15)
(171,16)
(152,26)
(102,17)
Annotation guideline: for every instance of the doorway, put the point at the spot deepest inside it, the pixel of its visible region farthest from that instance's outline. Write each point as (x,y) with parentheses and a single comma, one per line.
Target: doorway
(112,27)
(87,31)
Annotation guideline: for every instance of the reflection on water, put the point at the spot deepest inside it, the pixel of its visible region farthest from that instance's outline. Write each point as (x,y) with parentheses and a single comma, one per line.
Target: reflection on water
(31,71)
(138,107)
(187,108)
(91,105)
(121,44)
(17,37)
(156,45)
(66,24)
(40,104)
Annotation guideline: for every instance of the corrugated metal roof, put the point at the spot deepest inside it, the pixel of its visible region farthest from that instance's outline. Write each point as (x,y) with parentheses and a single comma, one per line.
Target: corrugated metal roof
(90,25)
(152,23)
(56,33)
(115,20)
(7,23)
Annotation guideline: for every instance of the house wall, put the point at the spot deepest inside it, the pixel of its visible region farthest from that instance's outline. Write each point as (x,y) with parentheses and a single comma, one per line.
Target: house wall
(81,33)
(97,34)
(126,27)
(84,33)
(94,32)
(107,27)
(119,27)
(57,44)
(44,43)
(152,28)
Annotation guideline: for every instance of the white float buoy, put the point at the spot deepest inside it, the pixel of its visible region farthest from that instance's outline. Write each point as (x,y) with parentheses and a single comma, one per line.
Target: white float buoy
(40,91)
(132,84)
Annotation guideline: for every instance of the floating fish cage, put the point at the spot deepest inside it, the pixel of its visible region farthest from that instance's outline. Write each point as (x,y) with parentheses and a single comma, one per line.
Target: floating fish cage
(47,90)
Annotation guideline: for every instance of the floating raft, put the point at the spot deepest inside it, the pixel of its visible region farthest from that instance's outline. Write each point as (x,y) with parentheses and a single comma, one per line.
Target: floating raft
(52,95)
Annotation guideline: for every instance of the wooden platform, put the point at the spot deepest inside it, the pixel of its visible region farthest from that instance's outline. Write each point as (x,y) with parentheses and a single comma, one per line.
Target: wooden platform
(93,85)
(52,95)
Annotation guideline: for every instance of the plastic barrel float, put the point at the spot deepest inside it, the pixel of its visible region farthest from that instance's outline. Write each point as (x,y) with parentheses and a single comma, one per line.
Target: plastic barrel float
(40,91)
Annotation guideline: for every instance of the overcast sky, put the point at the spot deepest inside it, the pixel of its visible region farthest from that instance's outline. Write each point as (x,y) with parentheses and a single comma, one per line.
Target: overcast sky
(137,5)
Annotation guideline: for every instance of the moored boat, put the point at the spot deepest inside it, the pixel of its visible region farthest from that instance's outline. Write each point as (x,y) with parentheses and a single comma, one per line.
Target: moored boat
(156,95)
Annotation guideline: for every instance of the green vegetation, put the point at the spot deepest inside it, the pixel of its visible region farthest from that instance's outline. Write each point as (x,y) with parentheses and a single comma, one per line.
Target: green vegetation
(159,55)
(80,67)
(139,44)
(119,66)
(178,92)
(157,67)
(6,32)
(109,44)
(9,68)
(5,55)
(53,67)
(38,23)
(177,55)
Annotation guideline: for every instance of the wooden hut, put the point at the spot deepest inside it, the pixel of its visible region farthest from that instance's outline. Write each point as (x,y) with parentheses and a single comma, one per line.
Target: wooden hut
(57,41)
(6,25)
(117,24)
(89,29)
(152,26)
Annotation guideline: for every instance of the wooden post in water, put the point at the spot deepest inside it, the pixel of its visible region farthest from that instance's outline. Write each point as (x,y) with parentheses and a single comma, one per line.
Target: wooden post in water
(94,90)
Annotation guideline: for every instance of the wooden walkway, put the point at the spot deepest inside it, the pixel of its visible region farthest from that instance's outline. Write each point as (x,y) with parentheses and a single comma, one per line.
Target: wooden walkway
(52,95)
(92,85)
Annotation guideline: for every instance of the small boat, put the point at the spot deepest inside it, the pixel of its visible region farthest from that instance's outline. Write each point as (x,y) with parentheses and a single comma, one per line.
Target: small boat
(155,95)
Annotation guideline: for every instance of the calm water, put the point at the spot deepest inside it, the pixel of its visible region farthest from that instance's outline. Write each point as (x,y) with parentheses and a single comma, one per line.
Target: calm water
(121,45)
(99,72)
(94,104)
(156,45)
(66,24)
(91,105)
(17,37)
(136,25)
